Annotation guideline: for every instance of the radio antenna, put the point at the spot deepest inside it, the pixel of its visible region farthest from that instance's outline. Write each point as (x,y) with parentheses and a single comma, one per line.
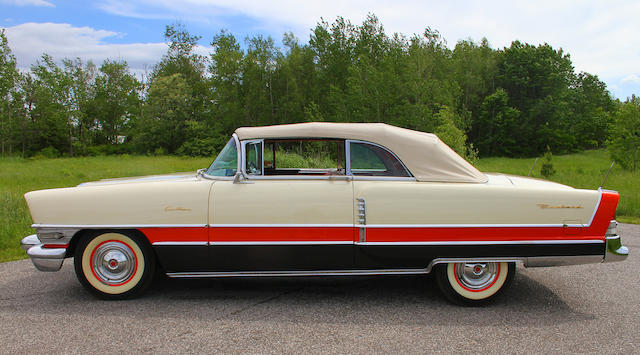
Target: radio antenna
(607,175)
(534,165)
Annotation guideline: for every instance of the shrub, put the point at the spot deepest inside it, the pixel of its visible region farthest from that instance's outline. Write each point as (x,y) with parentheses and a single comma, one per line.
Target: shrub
(109,149)
(198,147)
(47,153)
(547,170)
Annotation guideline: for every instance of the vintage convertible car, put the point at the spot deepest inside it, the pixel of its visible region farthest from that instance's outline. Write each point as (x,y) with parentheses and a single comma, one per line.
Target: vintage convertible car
(322,199)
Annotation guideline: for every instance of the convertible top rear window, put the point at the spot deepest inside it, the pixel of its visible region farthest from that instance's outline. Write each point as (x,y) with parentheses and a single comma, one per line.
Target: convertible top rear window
(368,159)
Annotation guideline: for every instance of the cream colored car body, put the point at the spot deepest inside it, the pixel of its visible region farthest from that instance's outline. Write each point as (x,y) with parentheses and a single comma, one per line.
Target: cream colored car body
(190,199)
(433,208)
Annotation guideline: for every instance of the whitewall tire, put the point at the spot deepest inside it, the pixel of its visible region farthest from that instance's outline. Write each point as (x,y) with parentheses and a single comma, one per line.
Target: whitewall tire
(475,283)
(114,265)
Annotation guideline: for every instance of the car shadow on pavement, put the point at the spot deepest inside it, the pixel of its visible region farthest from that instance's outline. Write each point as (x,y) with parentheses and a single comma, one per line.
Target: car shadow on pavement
(388,299)
(408,300)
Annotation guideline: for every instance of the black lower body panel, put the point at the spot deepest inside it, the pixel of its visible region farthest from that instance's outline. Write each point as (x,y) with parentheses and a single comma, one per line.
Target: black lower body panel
(255,257)
(419,256)
(228,258)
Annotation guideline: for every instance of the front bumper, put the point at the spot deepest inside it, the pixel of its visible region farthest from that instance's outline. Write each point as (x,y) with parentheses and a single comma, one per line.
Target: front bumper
(44,259)
(615,251)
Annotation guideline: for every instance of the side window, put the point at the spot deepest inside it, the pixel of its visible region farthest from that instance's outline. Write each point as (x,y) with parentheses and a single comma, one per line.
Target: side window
(372,160)
(253,151)
(304,157)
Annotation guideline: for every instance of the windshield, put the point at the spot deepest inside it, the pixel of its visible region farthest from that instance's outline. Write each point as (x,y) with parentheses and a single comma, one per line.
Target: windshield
(226,164)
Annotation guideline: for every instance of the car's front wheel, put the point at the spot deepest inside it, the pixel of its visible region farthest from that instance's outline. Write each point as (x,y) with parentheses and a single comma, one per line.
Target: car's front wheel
(475,283)
(114,265)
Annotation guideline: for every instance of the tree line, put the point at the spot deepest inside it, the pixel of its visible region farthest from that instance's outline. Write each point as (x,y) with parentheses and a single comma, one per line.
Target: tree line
(516,101)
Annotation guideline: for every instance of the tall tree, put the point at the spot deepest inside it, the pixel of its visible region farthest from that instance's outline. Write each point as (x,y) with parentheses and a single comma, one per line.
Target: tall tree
(334,52)
(258,69)
(185,68)
(495,125)
(295,81)
(115,102)
(537,80)
(591,106)
(474,70)
(80,78)
(8,78)
(624,134)
(162,127)
(53,124)
(226,81)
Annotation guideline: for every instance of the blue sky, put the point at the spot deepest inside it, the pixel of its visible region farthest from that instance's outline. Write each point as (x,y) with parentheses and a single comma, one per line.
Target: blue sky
(601,37)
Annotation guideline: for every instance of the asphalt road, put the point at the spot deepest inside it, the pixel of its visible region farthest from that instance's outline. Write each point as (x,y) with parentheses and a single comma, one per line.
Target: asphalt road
(574,309)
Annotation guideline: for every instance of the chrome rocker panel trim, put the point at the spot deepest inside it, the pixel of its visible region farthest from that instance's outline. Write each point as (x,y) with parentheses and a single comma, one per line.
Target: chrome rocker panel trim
(205,274)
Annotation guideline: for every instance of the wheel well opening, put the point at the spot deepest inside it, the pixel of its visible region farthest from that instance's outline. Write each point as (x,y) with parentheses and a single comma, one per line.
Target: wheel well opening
(71,249)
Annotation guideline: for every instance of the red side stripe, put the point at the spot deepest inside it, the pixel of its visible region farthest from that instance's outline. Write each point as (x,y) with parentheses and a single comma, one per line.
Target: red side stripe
(182,234)
(283,234)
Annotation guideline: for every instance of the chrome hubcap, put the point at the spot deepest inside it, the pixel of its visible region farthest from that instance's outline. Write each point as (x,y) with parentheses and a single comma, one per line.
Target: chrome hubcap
(113,263)
(476,276)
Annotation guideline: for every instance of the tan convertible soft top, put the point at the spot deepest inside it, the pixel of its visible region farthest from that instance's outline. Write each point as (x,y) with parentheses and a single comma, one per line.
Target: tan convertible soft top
(426,156)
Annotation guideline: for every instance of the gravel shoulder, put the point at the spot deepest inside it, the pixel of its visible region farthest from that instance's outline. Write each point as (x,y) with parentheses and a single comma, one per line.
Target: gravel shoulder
(574,309)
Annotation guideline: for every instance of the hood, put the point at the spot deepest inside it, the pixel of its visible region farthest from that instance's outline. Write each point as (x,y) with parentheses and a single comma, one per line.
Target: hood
(137,179)
(147,200)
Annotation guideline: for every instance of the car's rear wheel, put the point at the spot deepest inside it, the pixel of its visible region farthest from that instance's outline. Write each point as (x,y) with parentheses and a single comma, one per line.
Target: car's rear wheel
(114,265)
(474,284)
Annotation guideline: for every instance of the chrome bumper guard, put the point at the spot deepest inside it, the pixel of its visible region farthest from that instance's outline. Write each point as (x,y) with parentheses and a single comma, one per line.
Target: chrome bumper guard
(44,259)
(615,251)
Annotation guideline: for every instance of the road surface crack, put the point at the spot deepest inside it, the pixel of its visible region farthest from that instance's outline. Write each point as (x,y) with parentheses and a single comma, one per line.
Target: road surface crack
(261,302)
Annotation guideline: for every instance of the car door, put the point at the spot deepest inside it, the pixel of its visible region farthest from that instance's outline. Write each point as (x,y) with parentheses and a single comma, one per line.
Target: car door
(385,195)
(280,223)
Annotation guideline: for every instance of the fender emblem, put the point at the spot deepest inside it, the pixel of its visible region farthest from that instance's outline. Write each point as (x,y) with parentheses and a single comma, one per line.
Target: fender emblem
(182,209)
(545,206)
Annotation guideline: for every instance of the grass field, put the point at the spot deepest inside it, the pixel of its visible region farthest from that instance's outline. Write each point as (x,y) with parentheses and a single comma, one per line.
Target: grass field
(582,170)
(17,176)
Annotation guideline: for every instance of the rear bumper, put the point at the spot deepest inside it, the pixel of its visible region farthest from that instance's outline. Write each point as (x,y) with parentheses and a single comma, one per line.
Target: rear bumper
(44,259)
(615,251)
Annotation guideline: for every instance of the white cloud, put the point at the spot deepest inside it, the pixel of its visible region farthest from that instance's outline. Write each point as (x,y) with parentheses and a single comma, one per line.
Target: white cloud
(28,3)
(631,79)
(29,41)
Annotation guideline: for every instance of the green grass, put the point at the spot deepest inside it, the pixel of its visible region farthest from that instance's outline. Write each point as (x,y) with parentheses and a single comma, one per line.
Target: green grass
(17,176)
(286,160)
(581,170)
